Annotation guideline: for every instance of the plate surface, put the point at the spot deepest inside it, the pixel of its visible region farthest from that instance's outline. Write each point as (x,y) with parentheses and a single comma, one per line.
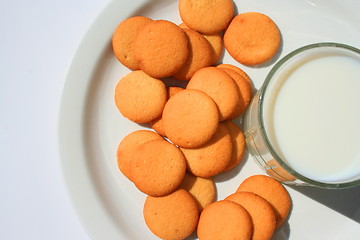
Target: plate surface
(91,127)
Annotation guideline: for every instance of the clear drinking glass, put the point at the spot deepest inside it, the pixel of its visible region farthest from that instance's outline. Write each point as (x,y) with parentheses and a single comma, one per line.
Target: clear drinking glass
(257,139)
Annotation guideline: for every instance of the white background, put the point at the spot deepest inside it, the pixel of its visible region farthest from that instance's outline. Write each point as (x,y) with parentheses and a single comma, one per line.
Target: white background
(38,39)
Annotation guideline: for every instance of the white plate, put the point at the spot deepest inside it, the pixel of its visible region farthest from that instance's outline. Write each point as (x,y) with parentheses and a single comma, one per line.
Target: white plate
(91,127)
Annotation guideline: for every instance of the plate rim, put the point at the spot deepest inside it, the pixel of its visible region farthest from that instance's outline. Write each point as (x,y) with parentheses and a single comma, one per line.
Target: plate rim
(70,144)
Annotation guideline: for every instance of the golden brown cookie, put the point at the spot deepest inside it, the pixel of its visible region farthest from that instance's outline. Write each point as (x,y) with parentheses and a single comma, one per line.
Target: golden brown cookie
(157,124)
(123,38)
(139,97)
(172,90)
(272,191)
(174,216)
(206,16)
(220,87)
(241,72)
(183,25)
(161,48)
(244,90)
(190,118)
(216,44)
(128,147)
(238,70)
(252,38)
(261,213)
(202,189)
(200,55)
(158,167)
(211,158)
(238,142)
(224,220)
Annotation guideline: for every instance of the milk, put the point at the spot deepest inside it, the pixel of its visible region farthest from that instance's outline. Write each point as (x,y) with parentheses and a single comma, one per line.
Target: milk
(312,116)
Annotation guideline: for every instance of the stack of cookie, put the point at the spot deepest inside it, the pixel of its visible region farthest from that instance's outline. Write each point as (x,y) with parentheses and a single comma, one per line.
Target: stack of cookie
(194,138)
(259,206)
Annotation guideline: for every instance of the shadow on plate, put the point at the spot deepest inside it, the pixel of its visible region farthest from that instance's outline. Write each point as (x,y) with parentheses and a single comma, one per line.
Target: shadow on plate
(282,233)
(226,176)
(193,236)
(345,201)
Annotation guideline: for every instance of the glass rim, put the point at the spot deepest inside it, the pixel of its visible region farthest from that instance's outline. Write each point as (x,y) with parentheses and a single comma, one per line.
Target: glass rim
(262,93)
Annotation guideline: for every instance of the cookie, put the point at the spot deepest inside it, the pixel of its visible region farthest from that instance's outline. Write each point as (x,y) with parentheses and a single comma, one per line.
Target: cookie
(224,220)
(174,216)
(190,118)
(158,167)
(220,87)
(238,142)
(236,69)
(139,97)
(161,48)
(172,90)
(200,55)
(252,38)
(239,71)
(128,147)
(123,38)
(211,158)
(216,44)
(272,191)
(157,124)
(261,213)
(244,90)
(202,189)
(206,16)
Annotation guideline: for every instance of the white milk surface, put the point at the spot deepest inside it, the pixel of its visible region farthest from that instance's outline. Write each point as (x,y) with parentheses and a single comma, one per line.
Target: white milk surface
(312,116)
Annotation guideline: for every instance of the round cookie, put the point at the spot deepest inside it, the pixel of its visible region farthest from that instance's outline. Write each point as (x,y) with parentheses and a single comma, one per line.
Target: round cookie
(220,87)
(252,38)
(190,118)
(216,44)
(161,48)
(123,38)
(172,90)
(224,220)
(174,216)
(183,25)
(139,97)
(157,124)
(272,191)
(261,213)
(206,16)
(239,71)
(244,90)
(211,158)
(238,142)
(128,147)
(202,189)
(158,167)
(236,69)
(200,55)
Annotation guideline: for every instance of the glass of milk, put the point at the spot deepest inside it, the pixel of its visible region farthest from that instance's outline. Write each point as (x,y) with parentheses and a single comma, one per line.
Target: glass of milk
(303,125)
